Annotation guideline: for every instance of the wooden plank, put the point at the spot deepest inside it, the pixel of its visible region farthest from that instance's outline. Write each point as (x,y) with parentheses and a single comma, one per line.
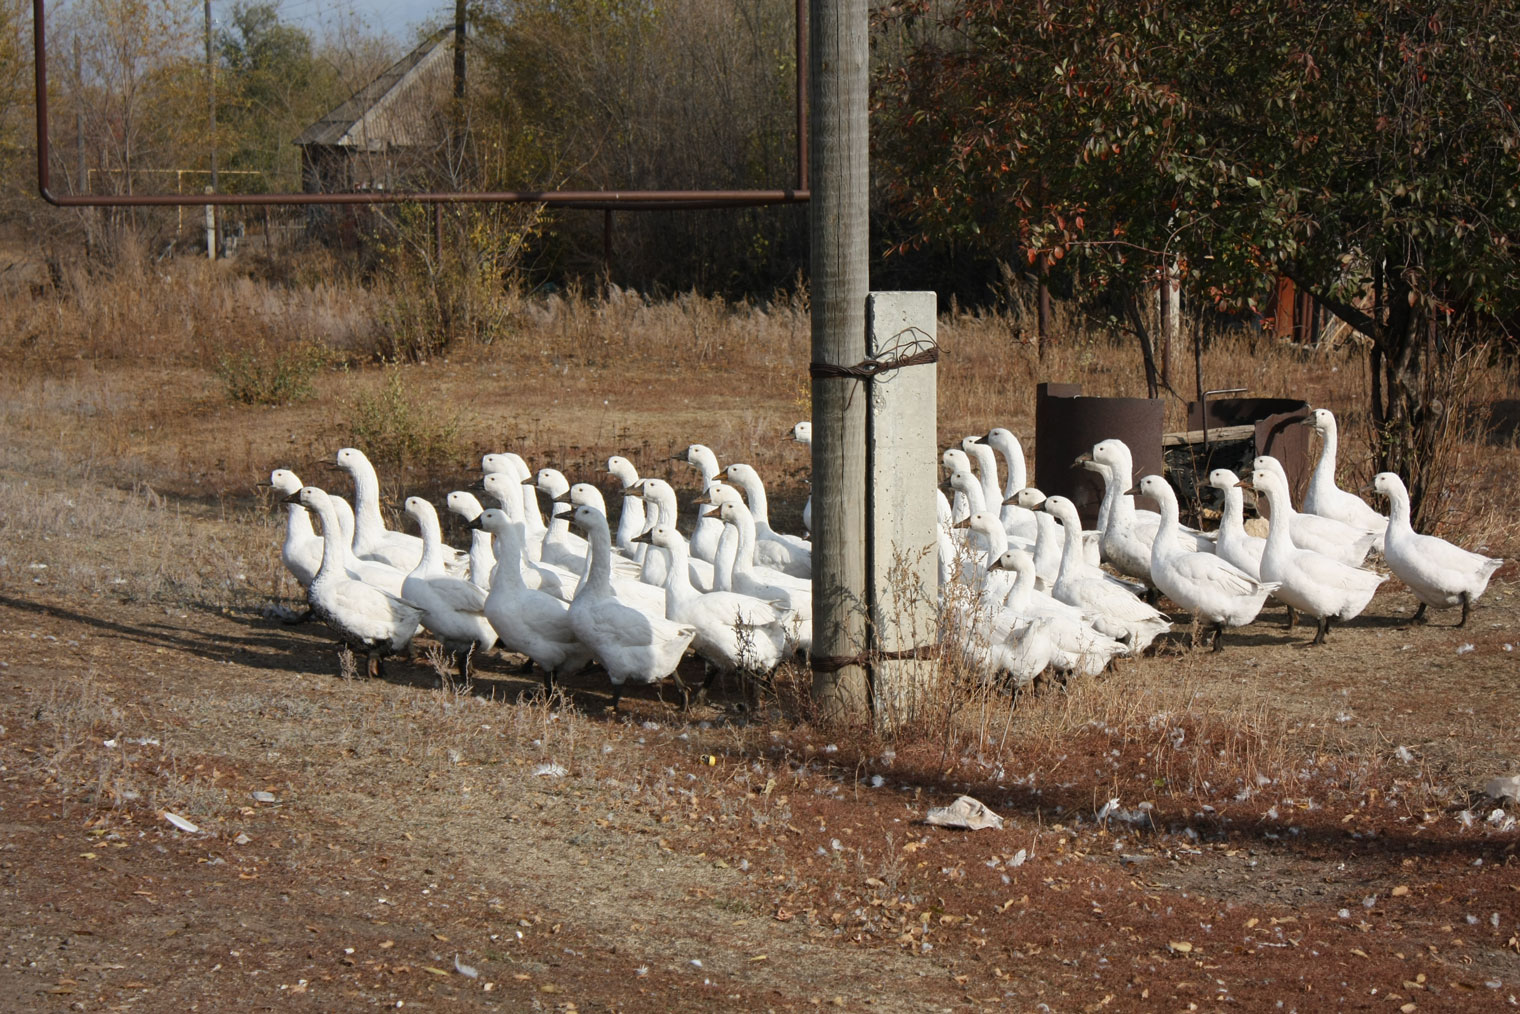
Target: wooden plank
(1216,435)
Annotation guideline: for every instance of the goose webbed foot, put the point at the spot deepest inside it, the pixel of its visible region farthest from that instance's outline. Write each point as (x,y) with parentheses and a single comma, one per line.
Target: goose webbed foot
(1420,617)
(299,618)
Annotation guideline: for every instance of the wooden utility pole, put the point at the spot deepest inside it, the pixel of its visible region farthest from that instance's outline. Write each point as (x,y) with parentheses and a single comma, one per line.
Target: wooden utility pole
(211,103)
(838,65)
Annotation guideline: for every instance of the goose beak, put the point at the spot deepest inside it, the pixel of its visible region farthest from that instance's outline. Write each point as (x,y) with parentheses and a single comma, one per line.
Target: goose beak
(529,481)
(680,457)
(294,498)
(707,512)
(637,489)
(1369,488)
(562,497)
(1132,491)
(644,537)
(996,565)
(1243,484)
(1083,459)
(703,499)
(978,439)
(962,523)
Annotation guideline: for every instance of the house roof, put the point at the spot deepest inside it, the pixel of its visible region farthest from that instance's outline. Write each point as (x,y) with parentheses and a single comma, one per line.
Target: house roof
(398,108)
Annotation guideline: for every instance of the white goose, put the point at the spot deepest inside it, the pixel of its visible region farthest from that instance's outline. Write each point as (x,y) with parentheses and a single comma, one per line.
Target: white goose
(371,572)
(1233,543)
(452,607)
(1310,582)
(631,523)
(986,470)
(482,557)
(625,573)
(956,460)
(526,620)
(1324,497)
(1075,646)
(560,547)
(1214,590)
(762,582)
(372,540)
(803,434)
(513,465)
(1016,519)
(1437,572)
(704,538)
(786,553)
(301,552)
(1326,536)
(362,615)
(1128,536)
(629,643)
(1112,610)
(734,632)
(546,577)
(659,499)
(1050,547)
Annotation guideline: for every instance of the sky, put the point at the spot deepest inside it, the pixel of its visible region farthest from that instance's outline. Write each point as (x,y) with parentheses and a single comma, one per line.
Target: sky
(397,18)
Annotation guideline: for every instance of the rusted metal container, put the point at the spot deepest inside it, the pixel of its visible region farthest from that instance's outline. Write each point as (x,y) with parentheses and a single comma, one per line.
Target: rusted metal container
(1230,433)
(1068,424)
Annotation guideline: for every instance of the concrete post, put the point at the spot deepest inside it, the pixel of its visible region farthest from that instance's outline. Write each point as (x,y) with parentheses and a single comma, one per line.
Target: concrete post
(902,470)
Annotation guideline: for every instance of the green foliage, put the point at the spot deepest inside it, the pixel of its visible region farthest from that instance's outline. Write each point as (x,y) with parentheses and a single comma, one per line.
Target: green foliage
(1346,144)
(263,374)
(399,434)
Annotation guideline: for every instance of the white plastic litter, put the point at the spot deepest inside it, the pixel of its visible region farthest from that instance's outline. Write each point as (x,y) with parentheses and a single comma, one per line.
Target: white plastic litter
(263,797)
(549,771)
(1506,787)
(466,970)
(965,812)
(181,822)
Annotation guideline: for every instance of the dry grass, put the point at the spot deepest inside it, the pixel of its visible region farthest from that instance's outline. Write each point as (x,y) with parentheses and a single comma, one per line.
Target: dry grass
(122,478)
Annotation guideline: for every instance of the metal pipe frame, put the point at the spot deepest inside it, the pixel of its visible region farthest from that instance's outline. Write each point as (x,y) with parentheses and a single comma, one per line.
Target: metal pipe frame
(629,200)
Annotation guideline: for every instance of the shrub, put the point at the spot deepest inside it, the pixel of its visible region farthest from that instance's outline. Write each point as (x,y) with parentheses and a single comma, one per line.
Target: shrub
(271,375)
(399,434)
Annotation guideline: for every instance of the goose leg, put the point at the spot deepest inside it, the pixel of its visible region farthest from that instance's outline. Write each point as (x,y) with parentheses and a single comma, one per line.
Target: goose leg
(374,667)
(1218,636)
(1466,608)
(1292,618)
(305,617)
(1323,629)
(617,695)
(1420,617)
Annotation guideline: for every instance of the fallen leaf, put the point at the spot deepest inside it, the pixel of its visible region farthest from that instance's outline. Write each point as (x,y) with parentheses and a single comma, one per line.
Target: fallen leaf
(1358,952)
(1180,947)
(1400,891)
(433,971)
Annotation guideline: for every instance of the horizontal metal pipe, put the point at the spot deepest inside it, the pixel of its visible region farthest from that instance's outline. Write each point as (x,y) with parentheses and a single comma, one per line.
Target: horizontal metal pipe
(633,200)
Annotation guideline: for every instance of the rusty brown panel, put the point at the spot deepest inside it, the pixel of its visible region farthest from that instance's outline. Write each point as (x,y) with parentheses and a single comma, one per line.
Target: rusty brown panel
(1068,425)
(1278,433)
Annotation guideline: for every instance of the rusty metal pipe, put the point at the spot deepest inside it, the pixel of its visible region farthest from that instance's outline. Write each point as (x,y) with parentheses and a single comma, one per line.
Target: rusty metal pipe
(631,200)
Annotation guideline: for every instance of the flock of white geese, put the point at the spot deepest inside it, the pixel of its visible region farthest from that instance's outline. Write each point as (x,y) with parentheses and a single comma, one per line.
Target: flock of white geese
(1023,588)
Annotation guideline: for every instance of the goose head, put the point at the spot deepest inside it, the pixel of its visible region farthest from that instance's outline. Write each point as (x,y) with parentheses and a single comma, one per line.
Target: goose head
(1016,560)
(284,481)
(1223,478)
(587,518)
(955,458)
(1029,498)
(1157,488)
(352,460)
(466,505)
(1320,420)
(551,482)
(494,521)
(1389,485)
(803,432)
(585,493)
(505,461)
(622,470)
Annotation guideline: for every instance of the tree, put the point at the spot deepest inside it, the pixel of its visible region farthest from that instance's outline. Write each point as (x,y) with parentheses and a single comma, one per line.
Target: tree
(1348,145)
(271,85)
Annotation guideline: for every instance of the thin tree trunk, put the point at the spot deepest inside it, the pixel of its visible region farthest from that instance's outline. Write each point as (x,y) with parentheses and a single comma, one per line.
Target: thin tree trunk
(1147,354)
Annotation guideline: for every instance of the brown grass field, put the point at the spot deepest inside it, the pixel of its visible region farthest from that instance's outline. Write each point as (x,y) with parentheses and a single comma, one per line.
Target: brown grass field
(1297,828)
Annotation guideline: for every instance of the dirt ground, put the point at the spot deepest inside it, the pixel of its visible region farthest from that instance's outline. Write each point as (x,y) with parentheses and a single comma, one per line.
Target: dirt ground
(198,812)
